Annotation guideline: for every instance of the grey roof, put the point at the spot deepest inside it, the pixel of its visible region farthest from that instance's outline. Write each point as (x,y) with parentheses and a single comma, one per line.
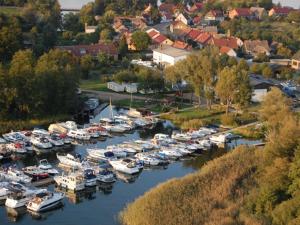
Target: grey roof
(171,51)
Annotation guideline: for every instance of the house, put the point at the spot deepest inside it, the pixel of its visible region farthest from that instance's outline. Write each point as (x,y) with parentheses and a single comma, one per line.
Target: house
(127,23)
(255,47)
(167,7)
(214,15)
(196,8)
(203,39)
(296,61)
(193,34)
(230,42)
(260,87)
(228,51)
(115,86)
(197,20)
(167,55)
(93,50)
(131,87)
(166,17)
(177,25)
(158,38)
(184,18)
(280,11)
(89,29)
(258,12)
(240,13)
(210,29)
(181,45)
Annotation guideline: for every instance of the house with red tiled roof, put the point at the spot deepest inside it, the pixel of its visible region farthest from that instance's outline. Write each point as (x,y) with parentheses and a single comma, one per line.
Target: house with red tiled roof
(280,11)
(181,45)
(228,51)
(240,13)
(177,25)
(214,15)
(197,7)
(203,39)
(93,49)
(193,34)
(158,38)
(230,42)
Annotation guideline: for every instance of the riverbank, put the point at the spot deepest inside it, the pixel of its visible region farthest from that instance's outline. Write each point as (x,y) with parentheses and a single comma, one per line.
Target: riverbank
(7,126)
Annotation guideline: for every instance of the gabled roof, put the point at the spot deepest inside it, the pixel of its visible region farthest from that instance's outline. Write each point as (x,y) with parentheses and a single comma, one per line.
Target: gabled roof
(225,49)
(215,13)
(180,45)
(203,38)
(194,33)
(243,11)
(256,45)
(282,10)
(225,42)
(159,39)
(153,33)
(196,7)
(167,7)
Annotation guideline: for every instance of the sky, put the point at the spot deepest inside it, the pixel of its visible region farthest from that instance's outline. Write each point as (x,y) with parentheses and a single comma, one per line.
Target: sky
(79,3)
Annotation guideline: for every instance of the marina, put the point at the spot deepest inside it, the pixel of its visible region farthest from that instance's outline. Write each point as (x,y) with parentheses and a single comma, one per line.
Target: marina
(139,158)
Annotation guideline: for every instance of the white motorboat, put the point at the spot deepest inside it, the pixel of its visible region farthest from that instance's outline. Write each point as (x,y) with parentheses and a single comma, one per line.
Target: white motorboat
(125,166)
(171,153)
(17,147)
(220,139)
(13,174)
(106,176)
(6,188)
(148,159)
(115,128)
(118,152)
(55,140)
(94,133)
(47,167)
(163,138)
(45,201)
(35,173)
(40,132)
(70,125)
(90,177)
(124,124)
(99,154)
(57,128)
(70,160)
(2,141)
(15,137)
(79,134)
(21,198)
(181,137)
(73,181)
(40,142)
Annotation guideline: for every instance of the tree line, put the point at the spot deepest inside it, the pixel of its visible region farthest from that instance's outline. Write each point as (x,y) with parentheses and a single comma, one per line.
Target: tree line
(32,87)
(211,76)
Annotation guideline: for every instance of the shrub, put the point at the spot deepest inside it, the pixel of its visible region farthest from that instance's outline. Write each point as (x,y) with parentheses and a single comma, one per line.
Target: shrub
(192,124)
(228,120)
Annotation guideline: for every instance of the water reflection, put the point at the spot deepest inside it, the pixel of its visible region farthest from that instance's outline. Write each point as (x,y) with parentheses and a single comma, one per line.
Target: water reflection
(15,215)
(79,196)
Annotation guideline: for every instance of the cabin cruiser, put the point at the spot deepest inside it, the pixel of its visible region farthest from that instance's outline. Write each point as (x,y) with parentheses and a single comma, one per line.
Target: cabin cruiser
(125,166)
(40,132)
(21,198)
(124,124)
(70,160)
(63,137)
(6,188)
(45,201)
(57,128)
(70,125)
(15,137)
(13,174)
(163,139)
(45,166)
(90,177)
(115,128)
(118,152)
(79,134)
(40,142)
(55,140)
(17,147)
(94,133)
(220,139)
(148,159)
(106,176)
(101,154)
(35,173)
(181,137)
(73,181)
(171,153)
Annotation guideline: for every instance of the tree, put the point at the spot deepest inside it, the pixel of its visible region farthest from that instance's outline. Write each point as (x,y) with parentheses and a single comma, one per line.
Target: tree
(294,17)
(123,47)
(99,7)
(86,64)
(155,15)
(243,65)
(226,86)
(103,59)
(106,34)
(87,14)
(141,40)
(284,51)
(267,72)
(244,91)
(126,76)
(71,22)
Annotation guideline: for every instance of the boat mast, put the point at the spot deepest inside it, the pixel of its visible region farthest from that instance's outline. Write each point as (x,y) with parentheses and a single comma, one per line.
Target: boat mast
(111,109)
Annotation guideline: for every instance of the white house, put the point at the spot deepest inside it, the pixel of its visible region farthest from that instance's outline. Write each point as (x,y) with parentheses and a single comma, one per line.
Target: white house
(168,55)
(131,87)
(115,86)
(260,88)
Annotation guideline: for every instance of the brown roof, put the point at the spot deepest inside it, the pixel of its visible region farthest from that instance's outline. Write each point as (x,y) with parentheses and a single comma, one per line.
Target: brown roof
(93,50)
(225,50)
(257,46)
(215,13)
(180,45)
(283,10)
(225,42)
(166,7)
(243,11)
(203,38)
(160,38)
(153,33)
(194,33)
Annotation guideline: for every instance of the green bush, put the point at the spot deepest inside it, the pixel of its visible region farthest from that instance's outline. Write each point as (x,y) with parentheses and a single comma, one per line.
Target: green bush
(192,124)
(228,120)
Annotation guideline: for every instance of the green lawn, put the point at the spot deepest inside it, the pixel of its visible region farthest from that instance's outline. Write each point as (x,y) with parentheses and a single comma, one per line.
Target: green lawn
(10,10)
(94,85)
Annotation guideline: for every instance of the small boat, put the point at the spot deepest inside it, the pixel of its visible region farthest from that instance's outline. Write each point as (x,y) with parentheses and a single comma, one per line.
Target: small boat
(40,132)
(90,177)
(148,159)
(101,154)
(40,142)
(13,174)
(115,128)
(55,140)
(2,141)
(94,133)
(125,166)
(57,128)
(45,166)
(35,173)
(21,198)
(70,125)
(171,153)
(15,137)
(17,147)
(79,134)
(181,137)
(220,139)
(6,188)
(73,181)
(118,152)
(70,160)
(45,201)
(106,176)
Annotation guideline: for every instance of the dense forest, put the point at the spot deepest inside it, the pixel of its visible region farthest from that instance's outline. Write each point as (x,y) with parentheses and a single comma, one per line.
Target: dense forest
(249,186)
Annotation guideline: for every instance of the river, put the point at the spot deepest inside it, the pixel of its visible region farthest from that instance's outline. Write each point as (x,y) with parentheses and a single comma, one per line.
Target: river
(77,4)
(101,205)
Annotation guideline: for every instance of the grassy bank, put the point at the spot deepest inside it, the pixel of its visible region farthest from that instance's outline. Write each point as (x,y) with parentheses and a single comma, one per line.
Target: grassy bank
(7,126)
(251,132)
(94,85)
(213,194)
(10,10)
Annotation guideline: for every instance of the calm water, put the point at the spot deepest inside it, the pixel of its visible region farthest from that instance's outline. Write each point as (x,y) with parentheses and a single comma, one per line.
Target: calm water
(79,3)
(101,205)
